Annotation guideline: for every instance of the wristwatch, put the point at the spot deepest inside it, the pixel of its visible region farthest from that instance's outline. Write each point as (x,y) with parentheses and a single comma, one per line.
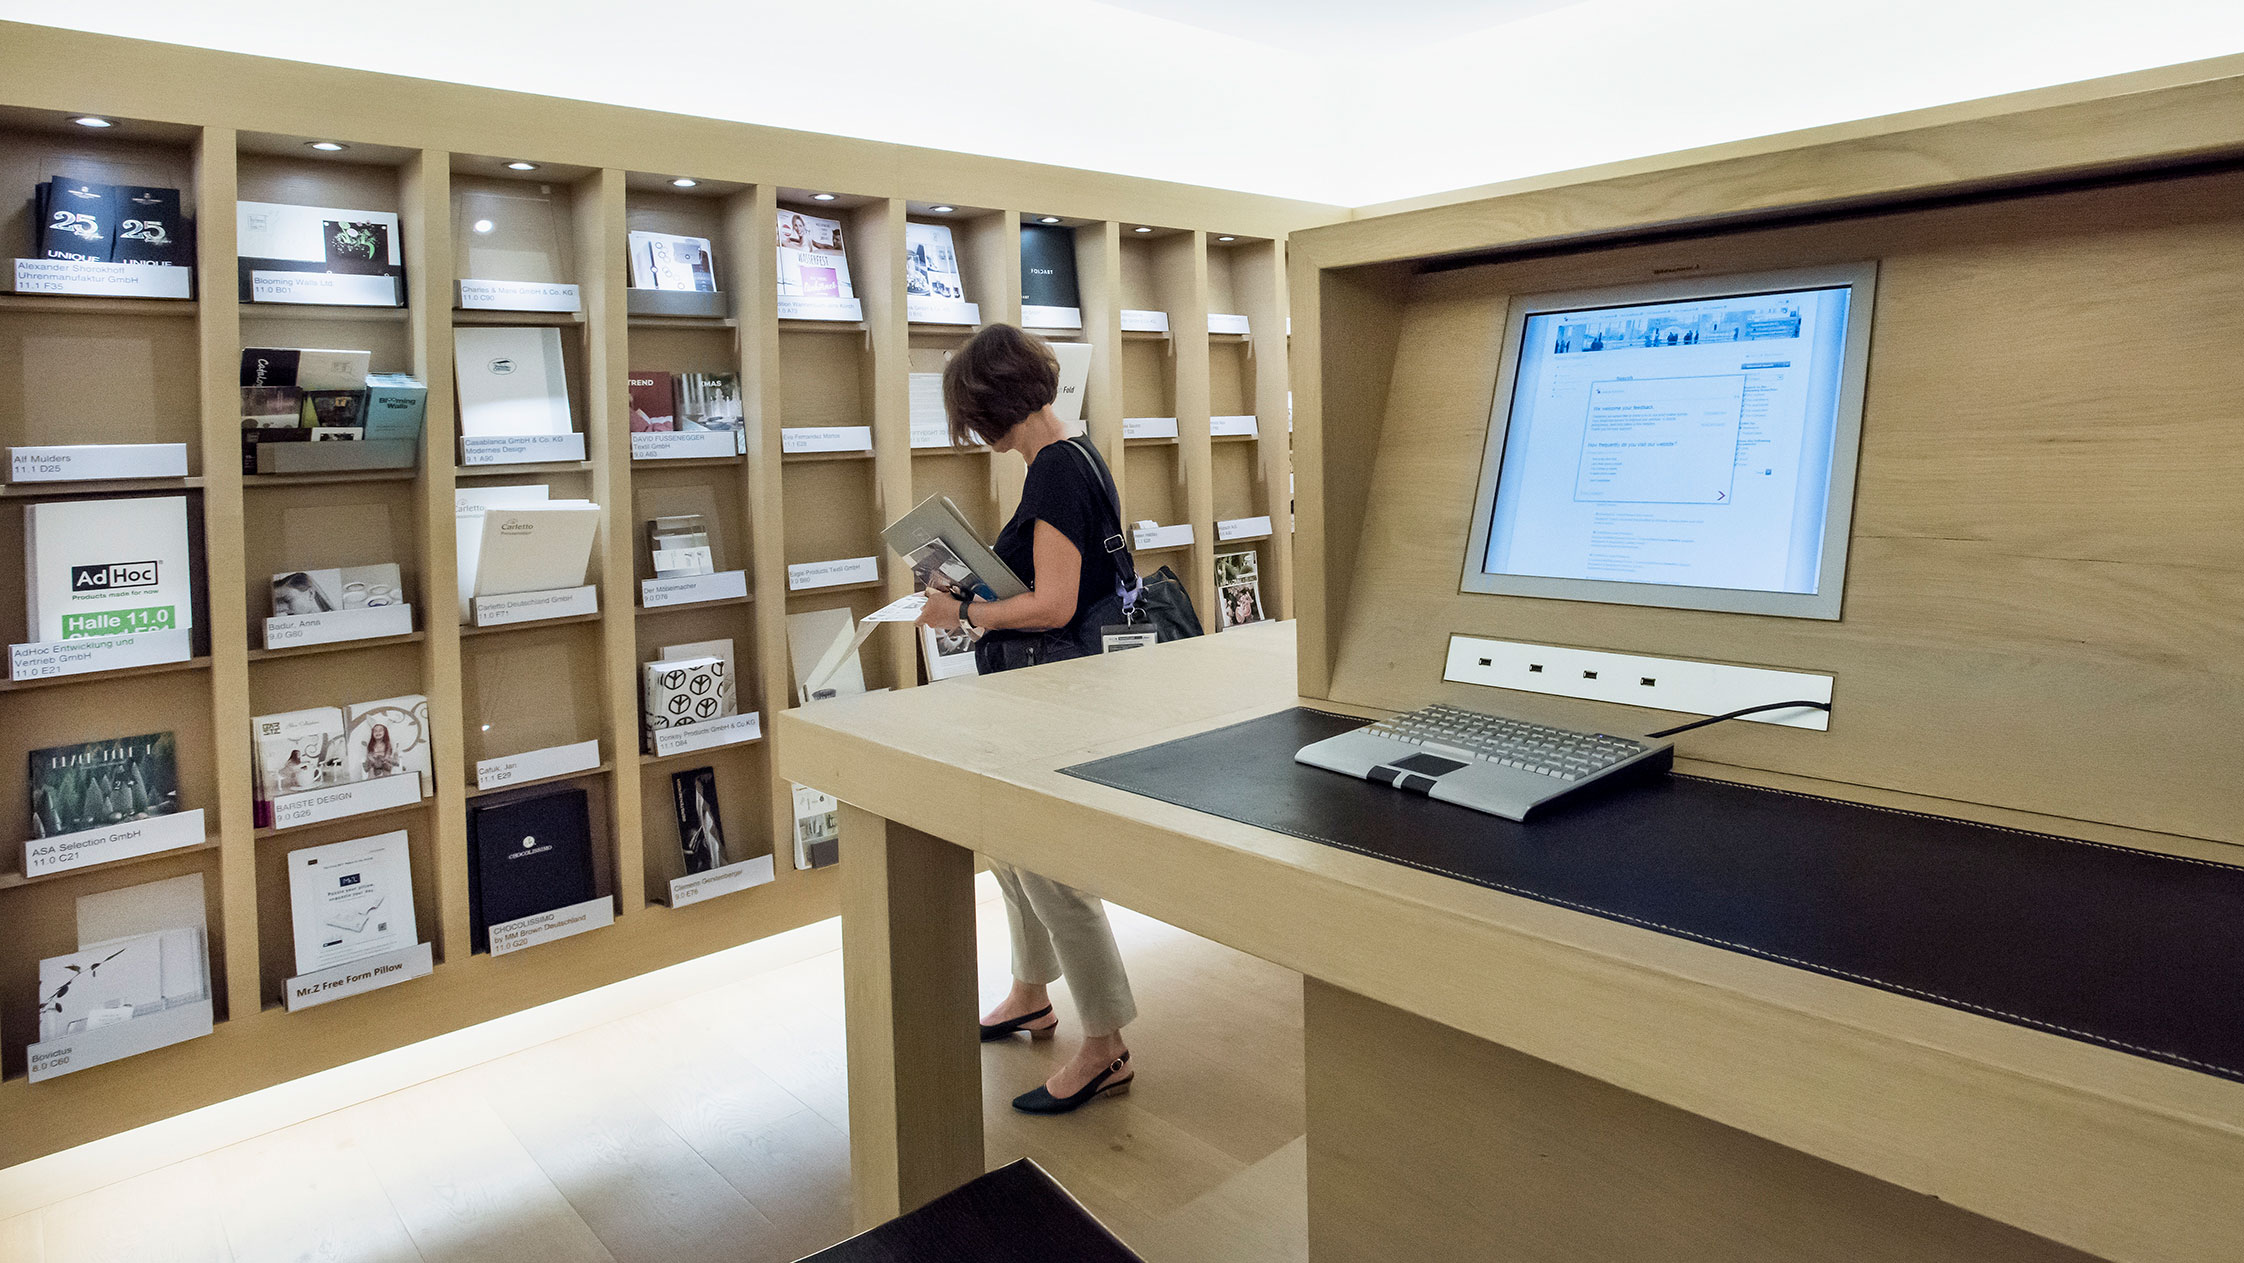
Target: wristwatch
(964,623)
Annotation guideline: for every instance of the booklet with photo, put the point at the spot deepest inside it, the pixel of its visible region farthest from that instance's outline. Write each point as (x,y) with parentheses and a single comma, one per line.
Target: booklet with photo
(351,900)
(949,653)
(709,401)
(388,737)
(931,263)
(817,828)
(660,260)
(945,551)
(295,751)
(654,401)
(1238,588)
(342,588)
(813,260)
(97,783)
(272,237)
(701,833)
(142,953)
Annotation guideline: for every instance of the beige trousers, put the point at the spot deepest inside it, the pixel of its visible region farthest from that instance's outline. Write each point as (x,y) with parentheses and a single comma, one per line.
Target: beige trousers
(1060,931)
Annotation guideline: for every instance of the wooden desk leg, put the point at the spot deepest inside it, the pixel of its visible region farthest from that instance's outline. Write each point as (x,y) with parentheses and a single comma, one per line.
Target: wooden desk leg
(915,1073)
(1430,1145)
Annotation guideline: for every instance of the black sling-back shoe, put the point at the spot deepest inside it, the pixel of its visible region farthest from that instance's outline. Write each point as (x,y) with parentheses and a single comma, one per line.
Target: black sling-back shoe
(1001,1030)
(1039,1099)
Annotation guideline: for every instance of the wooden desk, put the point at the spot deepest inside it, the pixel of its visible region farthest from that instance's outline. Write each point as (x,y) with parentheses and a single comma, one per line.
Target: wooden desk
(1488,1077)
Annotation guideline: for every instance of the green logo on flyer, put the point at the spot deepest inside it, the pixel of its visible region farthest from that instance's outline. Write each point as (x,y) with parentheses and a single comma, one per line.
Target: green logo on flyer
(118,622)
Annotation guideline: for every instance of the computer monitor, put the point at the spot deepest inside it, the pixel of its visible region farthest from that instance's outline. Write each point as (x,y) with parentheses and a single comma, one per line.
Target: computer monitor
(1687,444)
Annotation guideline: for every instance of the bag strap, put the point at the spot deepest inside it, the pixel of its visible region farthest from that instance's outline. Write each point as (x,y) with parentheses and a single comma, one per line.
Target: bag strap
(1127,583)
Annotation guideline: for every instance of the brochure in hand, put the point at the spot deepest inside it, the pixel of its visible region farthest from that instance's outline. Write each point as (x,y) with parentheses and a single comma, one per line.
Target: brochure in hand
(945,552)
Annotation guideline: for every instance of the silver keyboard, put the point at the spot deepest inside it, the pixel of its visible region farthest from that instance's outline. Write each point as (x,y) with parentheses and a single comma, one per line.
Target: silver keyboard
(1562,753)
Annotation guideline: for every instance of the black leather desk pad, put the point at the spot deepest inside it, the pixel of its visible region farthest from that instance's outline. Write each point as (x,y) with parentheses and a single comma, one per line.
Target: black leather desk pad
(2128,949)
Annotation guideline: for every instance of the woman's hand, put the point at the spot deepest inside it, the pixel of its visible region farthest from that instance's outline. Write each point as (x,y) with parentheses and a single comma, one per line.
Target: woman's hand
(941,611)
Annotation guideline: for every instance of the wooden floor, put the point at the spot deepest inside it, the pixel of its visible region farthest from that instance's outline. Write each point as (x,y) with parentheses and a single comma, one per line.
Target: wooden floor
(716,1128)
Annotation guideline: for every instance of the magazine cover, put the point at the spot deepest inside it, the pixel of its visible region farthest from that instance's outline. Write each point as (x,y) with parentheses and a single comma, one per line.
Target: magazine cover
(387,737)
(931,263)
(1238,588)
(813,261)
(701,835)
(99,783)
(343,588)
(654,401)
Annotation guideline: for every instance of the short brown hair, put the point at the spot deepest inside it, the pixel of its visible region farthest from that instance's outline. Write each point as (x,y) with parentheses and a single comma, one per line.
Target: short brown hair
(997,381)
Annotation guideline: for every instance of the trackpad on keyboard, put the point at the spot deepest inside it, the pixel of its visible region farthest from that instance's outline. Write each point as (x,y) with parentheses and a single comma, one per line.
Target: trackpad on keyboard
(1427,765)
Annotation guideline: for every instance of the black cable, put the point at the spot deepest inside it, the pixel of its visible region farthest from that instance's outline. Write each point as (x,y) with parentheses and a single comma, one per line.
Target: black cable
(1750,710)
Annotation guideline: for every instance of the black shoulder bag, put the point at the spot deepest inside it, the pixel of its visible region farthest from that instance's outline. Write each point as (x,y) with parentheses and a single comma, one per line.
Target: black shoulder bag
(1006,650)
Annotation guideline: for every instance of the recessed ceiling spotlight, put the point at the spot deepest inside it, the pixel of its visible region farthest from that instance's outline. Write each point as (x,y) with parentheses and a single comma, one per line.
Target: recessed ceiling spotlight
(1048,219)
(822,197)
(92,120)
(484,225)
(521,166)
(940,210)
(1227,238)
(327,146)
(1141,230)
(684,183)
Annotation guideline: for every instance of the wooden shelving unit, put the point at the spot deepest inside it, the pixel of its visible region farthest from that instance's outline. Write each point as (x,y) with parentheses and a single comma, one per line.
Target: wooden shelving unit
(165,370)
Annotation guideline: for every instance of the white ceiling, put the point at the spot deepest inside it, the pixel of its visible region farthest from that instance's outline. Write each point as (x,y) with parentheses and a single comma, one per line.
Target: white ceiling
(1339,28)
(1342,101)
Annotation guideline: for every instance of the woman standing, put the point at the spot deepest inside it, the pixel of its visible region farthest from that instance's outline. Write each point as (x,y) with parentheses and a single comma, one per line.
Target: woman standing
(1063,542)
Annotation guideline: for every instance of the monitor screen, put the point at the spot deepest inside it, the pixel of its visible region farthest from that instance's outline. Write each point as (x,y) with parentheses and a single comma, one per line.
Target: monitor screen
(1683,444)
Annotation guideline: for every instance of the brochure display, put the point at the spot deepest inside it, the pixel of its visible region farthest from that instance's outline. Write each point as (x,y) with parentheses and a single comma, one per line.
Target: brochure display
(636,490)
(319,255)
(138,981)
(814,270)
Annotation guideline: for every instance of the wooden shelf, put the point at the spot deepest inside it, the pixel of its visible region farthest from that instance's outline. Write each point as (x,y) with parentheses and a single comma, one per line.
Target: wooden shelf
(1144,335)
(1162,441)
(95,487)
(573,620)
(252,482)
(1242,539)
(10,881)
(657,760)
(684,322)
(93,677)
(1164,548)
(90,305)
(601,769)
(339,646)
(309,830)
(485,316)
(1234,438)
(791,373)
(814,458)
(320,311)
(689,462)
(838,587)
(719,603)
(535,468)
